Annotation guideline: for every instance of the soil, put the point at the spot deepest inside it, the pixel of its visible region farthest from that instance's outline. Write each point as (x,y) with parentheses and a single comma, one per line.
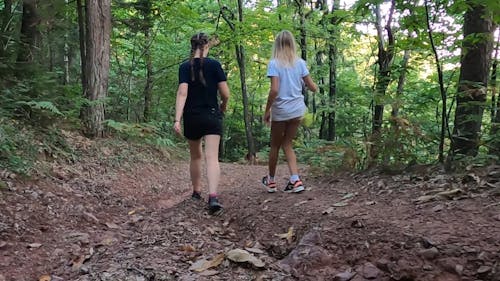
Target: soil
(115,217)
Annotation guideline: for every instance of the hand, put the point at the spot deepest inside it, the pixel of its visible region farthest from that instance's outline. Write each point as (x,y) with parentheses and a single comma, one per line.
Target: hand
(177,127)
(223,107)
(267,118)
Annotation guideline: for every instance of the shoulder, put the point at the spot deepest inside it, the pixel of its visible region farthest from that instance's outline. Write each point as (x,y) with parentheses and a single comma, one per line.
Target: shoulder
(184,64)
(213,61)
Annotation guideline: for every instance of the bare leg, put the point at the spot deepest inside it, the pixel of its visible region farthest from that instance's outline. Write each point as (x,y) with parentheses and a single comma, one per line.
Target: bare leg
(290,134)
(212,160)
(277,134)
(195,163)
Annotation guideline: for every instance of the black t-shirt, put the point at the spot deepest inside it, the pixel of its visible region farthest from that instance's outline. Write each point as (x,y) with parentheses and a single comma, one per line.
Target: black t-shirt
(201,97)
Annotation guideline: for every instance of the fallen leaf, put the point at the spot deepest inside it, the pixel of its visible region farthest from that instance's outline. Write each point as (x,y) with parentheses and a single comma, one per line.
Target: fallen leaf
(240,256)
(370,203)
(34,245)
(45,277)
(288,236)
(425,198)
(348,196)
(188,248)
(450,193)
(340,204)
(254,250)
(203,264)
(77,262)
(300,203)
(135,211)
(112,225)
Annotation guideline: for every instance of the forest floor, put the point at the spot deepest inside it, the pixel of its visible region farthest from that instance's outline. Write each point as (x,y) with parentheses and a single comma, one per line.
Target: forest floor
(115,217)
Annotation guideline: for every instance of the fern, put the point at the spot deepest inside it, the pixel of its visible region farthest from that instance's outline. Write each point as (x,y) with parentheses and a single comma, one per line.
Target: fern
(41,105)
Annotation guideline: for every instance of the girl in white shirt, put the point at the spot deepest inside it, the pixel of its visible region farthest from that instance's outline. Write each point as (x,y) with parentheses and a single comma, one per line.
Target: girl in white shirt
(285,107)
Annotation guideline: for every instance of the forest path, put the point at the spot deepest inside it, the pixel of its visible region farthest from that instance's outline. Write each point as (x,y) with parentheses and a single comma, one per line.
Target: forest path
(138,222)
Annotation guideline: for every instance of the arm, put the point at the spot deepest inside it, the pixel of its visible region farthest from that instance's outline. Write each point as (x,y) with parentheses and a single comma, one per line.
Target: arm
(180,101)
(273,93)
(224,94)
(310,83)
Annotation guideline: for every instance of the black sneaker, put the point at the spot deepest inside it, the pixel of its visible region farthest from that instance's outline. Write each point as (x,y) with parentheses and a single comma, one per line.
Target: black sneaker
(196,195)
(214,207)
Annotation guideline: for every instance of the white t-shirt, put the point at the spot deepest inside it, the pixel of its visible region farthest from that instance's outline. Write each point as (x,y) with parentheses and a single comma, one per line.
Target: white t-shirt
(289,103)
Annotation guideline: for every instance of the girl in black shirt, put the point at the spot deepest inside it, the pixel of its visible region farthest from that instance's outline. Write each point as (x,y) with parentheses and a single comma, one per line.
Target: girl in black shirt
(201,81)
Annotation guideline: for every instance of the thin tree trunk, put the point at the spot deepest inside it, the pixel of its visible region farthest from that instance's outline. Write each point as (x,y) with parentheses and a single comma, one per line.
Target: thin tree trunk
(240,57)
(5,27)
(332,62)
(148,88)
(385,59)
(98,31)
(442,91)
(401,83)
(82,38)
(471,96)
(30,36)
(495,107)
(303,40)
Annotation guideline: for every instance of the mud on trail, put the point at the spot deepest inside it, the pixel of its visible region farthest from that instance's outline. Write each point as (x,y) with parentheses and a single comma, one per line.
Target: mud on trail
(93,221)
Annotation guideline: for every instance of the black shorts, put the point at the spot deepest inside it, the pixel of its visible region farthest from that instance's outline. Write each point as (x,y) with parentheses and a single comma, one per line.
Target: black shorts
(199,124)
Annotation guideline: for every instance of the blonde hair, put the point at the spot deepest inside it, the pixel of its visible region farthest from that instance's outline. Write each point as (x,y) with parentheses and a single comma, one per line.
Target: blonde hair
(285,48)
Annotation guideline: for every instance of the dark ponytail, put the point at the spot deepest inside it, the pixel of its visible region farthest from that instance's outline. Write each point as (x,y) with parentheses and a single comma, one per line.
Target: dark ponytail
(198,41)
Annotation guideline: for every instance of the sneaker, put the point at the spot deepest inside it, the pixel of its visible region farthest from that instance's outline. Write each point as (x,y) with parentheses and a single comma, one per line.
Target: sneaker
(270,185)
(196,195)
(214,207)
(295,187)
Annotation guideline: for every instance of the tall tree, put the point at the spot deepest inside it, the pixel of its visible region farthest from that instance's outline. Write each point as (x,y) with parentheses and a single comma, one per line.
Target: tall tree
(495,106)
(471,97)
(330,21)
(442,91)
(240,58)
(97,40)
(145,6)
(30,35)
(384,61)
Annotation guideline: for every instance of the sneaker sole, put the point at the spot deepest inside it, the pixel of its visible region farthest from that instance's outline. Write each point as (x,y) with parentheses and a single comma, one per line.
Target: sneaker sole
(298,189)
(271,190)
(216,211)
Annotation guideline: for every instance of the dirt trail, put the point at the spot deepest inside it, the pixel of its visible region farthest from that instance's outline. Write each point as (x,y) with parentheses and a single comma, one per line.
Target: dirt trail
(94,222)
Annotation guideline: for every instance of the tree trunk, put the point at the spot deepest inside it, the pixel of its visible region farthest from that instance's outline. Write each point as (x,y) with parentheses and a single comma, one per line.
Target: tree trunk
(332,62)
(30,36)
(5,27)
(401,82)
(240,57)
(82,37)
(303,40)
(444,116)
(495,107)
(471,96)
(383,78)
(98,31)
(385,57)
(148,88)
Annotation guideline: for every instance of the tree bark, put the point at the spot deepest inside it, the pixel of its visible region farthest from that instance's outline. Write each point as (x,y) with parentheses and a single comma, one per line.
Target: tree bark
(444,116)
(383,78)
(30,36)
(471,96)
(98,31)
(5,29)
(401,83)
(82,38)
(148,88)
(495,107)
